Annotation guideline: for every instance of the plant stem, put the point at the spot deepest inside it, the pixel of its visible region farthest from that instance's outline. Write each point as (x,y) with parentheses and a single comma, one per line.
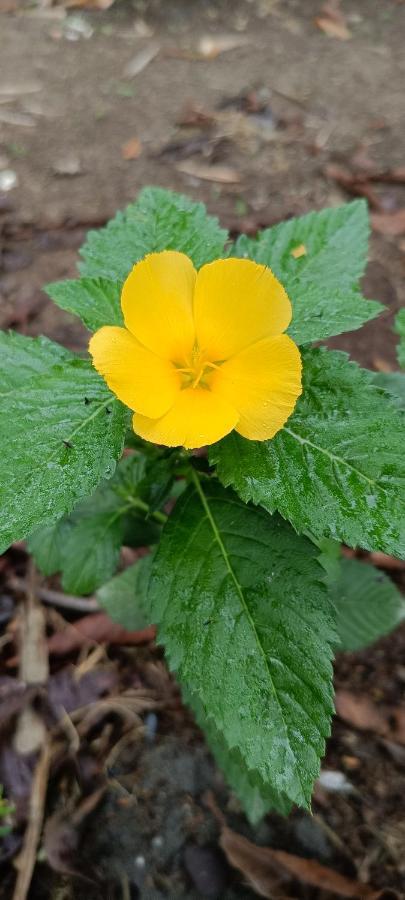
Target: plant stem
(156,514)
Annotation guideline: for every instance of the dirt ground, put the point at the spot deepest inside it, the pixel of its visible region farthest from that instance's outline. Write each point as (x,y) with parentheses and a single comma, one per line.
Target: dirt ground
(252,107)
(285,104)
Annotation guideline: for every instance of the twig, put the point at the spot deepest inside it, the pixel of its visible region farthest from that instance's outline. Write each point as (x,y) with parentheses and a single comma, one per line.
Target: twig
(126,893)
(129,737)
(56,598)
(26,858)
(30,732)
(90,661)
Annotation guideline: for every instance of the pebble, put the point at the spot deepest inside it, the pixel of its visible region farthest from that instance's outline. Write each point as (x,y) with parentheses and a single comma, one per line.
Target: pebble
(8,180)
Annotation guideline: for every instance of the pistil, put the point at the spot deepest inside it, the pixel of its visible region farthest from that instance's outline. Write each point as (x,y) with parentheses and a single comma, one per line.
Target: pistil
(195,374)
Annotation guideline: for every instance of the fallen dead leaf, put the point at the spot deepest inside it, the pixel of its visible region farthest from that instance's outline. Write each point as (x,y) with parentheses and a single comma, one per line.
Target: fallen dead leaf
(142,59)
(357,184)
(333,29)
(379,559)
(99,629)
(68,692)
(332,21)
(392,224)
(8,6)
(393,176)
(381,365)
(358,710)
(196,117)
(220,174)
(254,862)
(19,88)
(62,833)
(131,149)
(88,4)
(9,117)
(210,47)
(356,175)
(264,869)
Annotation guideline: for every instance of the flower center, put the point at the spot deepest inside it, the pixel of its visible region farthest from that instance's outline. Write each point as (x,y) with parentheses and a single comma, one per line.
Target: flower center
(196,371)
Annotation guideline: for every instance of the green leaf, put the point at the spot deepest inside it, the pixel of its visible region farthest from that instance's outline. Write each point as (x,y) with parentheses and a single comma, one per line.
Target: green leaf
(337,468)
(247,624)
(61,433)
(318,315)
(400,329)
(5,810)
(158,220)
(95,300)
(329,557)
(322,284)
(47,545)
(90,552)
(85,546)
(394,384)
(124,597)
(367,602)
(256,800)
(22,359)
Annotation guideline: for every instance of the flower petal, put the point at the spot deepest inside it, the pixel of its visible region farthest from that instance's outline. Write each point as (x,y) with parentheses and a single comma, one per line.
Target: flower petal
(140,379)
(157,303)
(263,383)
(198,417)
(236,303)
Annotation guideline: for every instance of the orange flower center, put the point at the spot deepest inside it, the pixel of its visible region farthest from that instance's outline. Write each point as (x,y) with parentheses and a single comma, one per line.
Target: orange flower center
(197,370)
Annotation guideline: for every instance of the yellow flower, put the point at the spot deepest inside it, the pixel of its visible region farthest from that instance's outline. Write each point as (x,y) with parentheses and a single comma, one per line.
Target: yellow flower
(202,352)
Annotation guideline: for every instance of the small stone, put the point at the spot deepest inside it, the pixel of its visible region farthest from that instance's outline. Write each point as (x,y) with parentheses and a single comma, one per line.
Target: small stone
(142,29)
(75,28)
(151,725)
(157,842)
(67,165)
(8,180)
(335,782)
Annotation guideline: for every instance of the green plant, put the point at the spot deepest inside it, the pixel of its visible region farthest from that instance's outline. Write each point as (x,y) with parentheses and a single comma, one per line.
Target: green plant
(5,811)
(245,580)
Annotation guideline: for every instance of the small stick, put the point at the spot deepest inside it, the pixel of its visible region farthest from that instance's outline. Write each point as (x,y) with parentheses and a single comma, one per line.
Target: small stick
(90,662)
(30,732)
(56,598)
(27,856)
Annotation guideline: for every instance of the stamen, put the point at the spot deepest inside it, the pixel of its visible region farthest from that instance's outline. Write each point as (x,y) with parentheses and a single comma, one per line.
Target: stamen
(199,376)
(194,375)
